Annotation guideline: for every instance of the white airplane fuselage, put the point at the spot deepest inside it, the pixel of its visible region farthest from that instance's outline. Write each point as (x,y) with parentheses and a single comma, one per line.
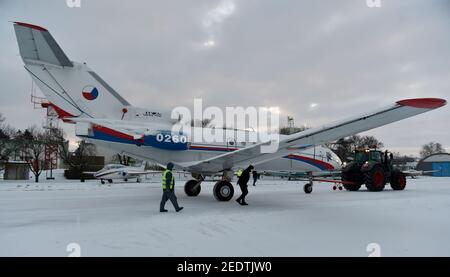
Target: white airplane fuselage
(119,172)
(159,145)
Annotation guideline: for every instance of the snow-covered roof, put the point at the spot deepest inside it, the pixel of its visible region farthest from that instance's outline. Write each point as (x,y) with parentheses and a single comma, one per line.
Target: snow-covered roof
(440,157)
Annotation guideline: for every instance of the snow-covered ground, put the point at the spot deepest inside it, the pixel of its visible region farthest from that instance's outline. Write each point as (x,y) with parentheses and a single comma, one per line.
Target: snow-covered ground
(124,220)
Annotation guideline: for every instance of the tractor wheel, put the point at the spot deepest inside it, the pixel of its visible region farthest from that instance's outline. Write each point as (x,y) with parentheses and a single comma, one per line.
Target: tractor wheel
(375,179)
(347,177)
(398,180)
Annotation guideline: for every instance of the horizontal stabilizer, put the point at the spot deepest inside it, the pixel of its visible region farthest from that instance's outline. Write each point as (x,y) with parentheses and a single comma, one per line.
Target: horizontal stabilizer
(37,46)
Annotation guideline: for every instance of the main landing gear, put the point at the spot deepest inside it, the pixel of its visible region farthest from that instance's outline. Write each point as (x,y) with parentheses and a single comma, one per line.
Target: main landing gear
(223,190)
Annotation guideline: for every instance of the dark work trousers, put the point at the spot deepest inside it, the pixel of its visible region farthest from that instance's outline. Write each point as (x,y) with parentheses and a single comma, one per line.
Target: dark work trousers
(168,195)
(244,190)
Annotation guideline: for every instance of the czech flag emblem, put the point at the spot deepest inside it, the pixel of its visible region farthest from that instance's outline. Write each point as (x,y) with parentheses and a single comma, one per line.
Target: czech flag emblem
(90,93)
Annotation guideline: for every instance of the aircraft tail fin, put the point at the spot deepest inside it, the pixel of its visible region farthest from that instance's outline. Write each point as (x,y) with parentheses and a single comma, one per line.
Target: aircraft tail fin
(71,88)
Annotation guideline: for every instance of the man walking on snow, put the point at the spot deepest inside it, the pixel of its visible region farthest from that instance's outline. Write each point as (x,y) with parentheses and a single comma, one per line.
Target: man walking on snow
(242,182)
(168,186)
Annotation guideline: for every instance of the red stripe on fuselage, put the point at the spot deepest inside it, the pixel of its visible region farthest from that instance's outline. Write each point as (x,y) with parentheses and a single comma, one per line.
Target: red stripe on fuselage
(62,114)
(318,162)
(112,132)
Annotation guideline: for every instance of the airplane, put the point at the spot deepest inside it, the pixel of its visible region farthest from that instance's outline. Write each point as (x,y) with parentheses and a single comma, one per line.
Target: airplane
(120,172)
(416,173)
(102,116)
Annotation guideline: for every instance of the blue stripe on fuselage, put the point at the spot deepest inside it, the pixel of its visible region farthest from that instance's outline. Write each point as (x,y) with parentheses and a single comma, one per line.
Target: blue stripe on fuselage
(148,141)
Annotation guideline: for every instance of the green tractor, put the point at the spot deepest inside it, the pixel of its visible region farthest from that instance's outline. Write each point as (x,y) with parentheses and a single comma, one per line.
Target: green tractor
(374,169)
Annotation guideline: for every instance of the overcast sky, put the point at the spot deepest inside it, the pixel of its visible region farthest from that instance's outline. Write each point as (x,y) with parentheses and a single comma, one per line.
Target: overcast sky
(318,60)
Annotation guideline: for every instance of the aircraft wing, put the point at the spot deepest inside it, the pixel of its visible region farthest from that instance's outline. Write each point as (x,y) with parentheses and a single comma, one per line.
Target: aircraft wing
(140,173)
(317,136)
(414,173)
(302,174)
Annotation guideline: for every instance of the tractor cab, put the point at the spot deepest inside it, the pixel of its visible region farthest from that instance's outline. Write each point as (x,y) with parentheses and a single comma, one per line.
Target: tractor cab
(363,156)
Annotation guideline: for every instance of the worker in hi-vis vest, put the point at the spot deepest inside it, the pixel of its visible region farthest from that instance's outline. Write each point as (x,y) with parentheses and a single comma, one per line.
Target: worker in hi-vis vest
(244,177)
(239,172)
(168,186)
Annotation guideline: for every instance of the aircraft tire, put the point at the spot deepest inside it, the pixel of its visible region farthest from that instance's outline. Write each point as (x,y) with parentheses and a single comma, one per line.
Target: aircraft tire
(223,191)
(308,188)
(192,188)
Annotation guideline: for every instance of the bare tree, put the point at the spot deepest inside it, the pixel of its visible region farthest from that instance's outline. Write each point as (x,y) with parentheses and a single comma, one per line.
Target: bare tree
(344,147)
(124,159)
(6,140)
(77,160)
(368,142)
(32,142)
(431,148)
(402,161)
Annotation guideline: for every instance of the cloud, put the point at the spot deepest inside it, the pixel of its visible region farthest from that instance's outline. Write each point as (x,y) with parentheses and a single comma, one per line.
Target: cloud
(342,55)
(214,18)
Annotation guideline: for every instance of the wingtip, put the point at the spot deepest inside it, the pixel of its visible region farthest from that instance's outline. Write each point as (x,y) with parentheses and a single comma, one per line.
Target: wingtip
(423,103)
(32,26)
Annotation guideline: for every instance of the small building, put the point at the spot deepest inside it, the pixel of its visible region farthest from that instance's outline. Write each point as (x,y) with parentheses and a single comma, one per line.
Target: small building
(438,163)
(16,170)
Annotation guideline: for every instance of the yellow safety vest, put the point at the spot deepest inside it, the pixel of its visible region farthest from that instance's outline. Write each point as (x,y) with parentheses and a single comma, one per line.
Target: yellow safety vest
(239,172)
(164,180)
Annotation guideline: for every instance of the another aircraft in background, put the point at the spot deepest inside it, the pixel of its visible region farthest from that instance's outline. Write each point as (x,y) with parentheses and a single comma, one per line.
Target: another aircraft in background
(121,172)
(416,173)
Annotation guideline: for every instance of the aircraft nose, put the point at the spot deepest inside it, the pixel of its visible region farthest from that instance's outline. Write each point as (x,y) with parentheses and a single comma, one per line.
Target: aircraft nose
(336,161)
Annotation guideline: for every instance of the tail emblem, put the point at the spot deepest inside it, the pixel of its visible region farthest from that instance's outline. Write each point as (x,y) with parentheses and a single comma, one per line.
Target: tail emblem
(90,93)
